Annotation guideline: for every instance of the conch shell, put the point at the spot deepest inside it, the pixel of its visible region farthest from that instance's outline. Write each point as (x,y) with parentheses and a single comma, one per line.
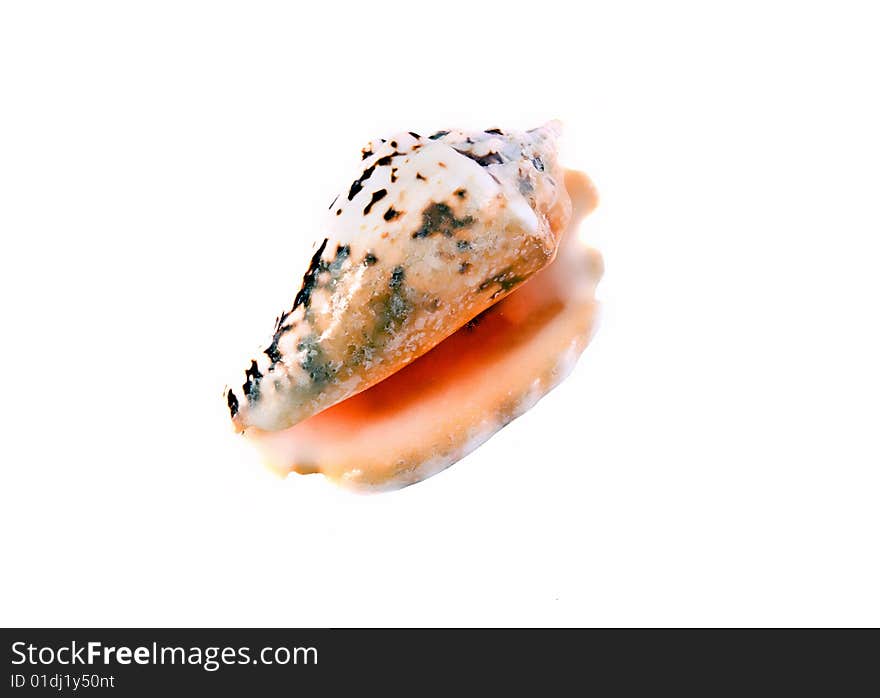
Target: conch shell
(427,254)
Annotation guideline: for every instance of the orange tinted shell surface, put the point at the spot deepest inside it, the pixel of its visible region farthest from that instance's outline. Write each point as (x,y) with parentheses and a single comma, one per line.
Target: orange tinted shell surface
(440,407)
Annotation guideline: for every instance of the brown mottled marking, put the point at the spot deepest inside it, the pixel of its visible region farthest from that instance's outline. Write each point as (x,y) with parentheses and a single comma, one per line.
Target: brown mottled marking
(439,218)
(382,162)
(358,184)
(377,196)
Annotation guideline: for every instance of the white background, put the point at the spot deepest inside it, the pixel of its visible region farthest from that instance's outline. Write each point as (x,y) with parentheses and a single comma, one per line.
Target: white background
(713,459)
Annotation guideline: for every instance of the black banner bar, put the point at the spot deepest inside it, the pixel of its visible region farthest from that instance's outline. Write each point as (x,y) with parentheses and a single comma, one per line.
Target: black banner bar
(134,662)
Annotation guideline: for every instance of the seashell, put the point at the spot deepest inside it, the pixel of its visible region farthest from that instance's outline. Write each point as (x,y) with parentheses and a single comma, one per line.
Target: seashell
(414,336)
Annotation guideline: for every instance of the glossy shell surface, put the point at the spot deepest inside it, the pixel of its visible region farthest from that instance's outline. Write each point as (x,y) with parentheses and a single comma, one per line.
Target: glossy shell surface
(429,232)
